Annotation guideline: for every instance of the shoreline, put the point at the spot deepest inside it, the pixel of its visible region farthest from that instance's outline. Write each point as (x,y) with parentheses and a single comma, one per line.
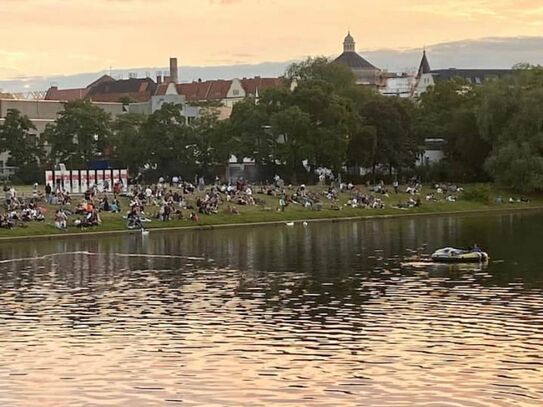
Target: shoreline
(108,233)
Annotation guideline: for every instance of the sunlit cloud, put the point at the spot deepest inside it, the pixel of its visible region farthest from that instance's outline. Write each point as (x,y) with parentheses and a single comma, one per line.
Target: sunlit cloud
(89,35)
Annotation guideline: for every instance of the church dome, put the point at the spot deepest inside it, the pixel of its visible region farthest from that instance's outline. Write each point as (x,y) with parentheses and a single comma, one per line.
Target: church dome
(349,44)
(365,73)
(354,61)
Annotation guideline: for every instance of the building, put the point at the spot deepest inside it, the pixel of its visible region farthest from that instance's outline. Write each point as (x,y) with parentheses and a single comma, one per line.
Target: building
(427,77)
(431,152)
(70,95)
(107,89)
(223,92)
(365,73)
(148,95)
(125,90)
(171,96)
(408,84)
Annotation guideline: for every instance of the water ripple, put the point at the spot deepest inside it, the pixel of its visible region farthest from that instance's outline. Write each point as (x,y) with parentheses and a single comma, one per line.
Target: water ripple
(106,327)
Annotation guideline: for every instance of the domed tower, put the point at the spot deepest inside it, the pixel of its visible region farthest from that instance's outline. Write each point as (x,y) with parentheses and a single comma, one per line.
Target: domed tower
(348,44)
(364,72)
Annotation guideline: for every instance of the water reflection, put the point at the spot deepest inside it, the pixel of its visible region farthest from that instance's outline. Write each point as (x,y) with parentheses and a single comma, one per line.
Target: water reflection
(323,315)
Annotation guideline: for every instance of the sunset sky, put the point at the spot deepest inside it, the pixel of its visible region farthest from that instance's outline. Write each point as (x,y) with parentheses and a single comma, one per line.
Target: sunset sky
(46,37)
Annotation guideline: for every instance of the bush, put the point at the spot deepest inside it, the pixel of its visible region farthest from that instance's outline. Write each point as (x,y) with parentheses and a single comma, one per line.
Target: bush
(478,193)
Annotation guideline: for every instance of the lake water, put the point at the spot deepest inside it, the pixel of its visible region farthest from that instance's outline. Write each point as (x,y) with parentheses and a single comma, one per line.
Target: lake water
(323,315)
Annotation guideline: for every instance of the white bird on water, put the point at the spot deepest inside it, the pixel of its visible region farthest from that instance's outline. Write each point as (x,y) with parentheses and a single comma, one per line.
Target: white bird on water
(144,232)
(290,223)
(305,223)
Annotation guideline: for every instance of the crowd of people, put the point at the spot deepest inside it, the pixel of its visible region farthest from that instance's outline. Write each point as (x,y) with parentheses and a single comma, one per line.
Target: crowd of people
(20,210)
(180,200)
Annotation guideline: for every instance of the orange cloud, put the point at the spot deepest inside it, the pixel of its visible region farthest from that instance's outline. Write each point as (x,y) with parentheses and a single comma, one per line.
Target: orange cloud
(55,36)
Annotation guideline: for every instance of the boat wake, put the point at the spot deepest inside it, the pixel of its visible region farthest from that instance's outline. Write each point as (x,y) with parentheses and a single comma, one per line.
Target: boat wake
(87,253)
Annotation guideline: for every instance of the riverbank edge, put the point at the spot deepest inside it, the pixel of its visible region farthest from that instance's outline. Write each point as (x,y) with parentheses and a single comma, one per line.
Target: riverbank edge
(69,235)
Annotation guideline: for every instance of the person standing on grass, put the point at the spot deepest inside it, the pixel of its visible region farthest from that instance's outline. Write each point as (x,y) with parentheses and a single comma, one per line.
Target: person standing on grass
(48,191)
(282,203)
(148,195)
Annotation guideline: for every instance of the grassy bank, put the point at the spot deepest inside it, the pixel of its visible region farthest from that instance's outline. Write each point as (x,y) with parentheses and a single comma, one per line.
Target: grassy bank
(267,212)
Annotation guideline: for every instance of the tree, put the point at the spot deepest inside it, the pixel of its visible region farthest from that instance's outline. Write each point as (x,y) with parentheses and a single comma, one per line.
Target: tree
(339,76)
(80,134)
(167,140)
(127,141)
(247,131)
(291,129)
(394,145)
(448,111)
(17,136)
(511,119)
(209,146)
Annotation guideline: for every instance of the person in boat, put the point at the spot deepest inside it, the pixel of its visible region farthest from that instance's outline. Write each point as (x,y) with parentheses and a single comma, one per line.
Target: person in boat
(476,249)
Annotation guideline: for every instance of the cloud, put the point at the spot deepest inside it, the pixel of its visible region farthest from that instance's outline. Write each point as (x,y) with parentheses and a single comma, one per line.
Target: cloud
(126,33)
(482,53)
(501,10)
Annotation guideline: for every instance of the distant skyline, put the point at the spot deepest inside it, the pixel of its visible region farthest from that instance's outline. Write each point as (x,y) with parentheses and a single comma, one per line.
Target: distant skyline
(485,53)
(55,37)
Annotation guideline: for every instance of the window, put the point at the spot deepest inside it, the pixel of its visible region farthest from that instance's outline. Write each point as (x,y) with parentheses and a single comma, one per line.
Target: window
(235,92)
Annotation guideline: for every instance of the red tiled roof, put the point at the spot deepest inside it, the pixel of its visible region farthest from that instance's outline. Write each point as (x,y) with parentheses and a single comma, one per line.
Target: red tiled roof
(139,90)
(218,89)
(107,89)
(101,79)
(195,90)
(66,95)
(252,85)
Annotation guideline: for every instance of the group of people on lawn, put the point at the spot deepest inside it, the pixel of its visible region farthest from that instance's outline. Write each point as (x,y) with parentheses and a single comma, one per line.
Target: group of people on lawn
(182,200)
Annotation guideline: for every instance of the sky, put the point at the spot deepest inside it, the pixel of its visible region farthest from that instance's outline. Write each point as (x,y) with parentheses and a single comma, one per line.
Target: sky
(52,37)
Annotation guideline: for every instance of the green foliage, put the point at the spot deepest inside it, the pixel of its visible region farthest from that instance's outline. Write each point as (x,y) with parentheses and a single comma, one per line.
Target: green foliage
(291,128)
(320,69)
(18,137)
(518,165)
(127,142)
(247,130)
(449,111)
(165,140)
(322,119)
(511,120)
(80,134)
(481,193)
(208,144)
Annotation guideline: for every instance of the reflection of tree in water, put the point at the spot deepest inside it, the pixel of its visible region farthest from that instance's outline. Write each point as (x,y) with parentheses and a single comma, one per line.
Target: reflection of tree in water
(312,272)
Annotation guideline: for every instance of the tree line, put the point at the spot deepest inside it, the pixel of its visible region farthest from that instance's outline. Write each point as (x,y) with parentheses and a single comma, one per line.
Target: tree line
(320,118)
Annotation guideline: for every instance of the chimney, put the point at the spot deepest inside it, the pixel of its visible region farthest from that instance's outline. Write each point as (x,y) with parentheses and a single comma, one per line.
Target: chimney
(173,70)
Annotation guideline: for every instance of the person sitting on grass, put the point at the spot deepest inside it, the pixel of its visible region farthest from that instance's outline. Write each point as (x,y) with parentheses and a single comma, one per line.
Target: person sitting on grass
(194,217)
(178,214)
(105,205)
(115,206)
(134,220)
(231,210)
(6,223)
(61,220)
(91,219)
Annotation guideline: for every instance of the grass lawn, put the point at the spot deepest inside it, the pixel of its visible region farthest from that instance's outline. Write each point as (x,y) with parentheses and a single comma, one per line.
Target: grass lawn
(267,212)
